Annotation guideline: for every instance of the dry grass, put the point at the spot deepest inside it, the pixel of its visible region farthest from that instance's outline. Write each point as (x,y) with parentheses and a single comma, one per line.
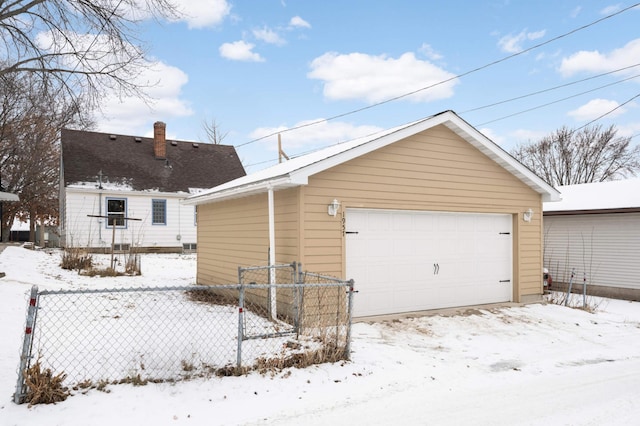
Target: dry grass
(75,259)
(43,387)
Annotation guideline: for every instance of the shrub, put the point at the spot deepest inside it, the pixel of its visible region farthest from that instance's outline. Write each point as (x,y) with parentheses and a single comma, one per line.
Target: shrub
(75,259)
(43,387)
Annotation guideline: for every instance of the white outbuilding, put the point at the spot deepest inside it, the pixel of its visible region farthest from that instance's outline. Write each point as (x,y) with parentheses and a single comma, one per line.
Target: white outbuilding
(595,230)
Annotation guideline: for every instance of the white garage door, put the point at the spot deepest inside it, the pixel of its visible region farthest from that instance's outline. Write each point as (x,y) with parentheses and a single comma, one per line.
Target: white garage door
(405,261)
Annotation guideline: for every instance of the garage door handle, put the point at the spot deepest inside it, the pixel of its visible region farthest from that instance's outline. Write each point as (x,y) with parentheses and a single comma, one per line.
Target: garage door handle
(351,232)
(505,281)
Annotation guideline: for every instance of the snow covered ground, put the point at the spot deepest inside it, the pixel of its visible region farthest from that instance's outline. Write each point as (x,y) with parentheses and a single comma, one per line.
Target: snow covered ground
(522,365)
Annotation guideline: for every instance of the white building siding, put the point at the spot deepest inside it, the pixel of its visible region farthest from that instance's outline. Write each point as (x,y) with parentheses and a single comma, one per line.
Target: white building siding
(605,246)
(80,230)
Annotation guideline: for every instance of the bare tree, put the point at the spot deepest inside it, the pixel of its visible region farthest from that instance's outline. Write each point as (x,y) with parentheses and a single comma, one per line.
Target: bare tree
(77,46)
(592,154)
(213,133)
(29,149)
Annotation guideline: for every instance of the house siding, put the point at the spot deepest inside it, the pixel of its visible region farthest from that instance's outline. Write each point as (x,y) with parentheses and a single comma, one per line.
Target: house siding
(236,233)
(431,171)
(434,170)
(605,246)
(80,230)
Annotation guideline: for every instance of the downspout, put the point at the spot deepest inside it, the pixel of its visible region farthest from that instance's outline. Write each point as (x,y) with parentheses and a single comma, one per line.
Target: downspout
(272,254)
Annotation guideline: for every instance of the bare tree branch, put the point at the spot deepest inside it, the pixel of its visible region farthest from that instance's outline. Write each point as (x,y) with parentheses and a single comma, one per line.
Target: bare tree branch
(213,133)
(82,47)
(593,154)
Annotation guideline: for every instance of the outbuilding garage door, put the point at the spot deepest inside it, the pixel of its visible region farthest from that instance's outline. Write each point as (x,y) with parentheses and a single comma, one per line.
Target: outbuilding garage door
(405,261)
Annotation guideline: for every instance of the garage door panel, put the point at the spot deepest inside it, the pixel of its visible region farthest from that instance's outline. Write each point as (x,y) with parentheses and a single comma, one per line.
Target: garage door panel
(405,261)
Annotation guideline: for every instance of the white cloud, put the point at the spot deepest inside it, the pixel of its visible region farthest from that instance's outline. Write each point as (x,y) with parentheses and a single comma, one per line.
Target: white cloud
(596,62)
(595,108)
(298,22)
(240,51)
(132,116)
(268,36)
(575,12)
(203,13)
(322,134)
(611,9)
(378,78)
(525,136)
(492,135)
(513,43)
(428,51)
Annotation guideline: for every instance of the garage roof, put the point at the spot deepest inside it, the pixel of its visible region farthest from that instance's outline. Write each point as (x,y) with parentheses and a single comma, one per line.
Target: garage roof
(296,171)
(598,197)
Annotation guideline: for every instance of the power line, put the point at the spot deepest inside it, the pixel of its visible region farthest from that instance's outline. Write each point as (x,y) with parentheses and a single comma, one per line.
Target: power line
(608,112)
(464,74)
(553,102)
(558,87)
(514,99)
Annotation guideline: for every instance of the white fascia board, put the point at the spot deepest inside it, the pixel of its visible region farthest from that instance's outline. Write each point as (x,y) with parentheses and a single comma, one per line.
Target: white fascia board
(245,190)
(8,196)
(124,193)
(503,158)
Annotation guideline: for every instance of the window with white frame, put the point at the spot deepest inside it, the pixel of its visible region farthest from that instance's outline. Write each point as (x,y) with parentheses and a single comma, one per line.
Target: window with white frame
(116,212)
(159,212)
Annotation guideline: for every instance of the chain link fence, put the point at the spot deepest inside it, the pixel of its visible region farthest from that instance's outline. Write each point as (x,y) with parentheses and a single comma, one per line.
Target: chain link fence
(275,317)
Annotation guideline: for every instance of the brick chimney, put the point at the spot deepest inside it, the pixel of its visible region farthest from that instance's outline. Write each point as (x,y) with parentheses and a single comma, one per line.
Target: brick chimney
(160,140)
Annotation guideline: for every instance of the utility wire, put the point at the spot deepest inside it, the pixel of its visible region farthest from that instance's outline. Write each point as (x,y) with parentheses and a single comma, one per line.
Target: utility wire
(514,99)
(558,87)
(464,74)
(608,112)
(553,102)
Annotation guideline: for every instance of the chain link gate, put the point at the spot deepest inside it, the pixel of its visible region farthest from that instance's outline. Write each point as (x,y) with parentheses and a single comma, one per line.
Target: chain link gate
(131,335)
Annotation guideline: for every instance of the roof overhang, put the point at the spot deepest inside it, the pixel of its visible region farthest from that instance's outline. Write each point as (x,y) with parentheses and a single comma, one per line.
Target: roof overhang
(7,196)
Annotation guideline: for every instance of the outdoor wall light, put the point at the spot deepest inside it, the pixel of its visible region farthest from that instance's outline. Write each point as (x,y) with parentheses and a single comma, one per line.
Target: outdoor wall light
(332,208)
(527,216)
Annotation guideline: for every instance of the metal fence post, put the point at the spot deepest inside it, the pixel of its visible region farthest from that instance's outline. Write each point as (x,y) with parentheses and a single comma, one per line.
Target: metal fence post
(25,356)
(584,290)
(350,291)
(240,323)
(570,285)
(296,298)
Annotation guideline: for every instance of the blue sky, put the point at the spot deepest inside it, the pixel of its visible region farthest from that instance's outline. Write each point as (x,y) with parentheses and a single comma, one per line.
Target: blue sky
(259,67)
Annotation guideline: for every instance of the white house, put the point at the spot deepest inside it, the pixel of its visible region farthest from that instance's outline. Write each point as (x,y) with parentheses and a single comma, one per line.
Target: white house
(596,230)
(128,190)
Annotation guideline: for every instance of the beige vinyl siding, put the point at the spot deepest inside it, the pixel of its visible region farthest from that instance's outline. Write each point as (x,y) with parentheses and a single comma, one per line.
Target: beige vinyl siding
(605,246)
(236,233)
(431,171)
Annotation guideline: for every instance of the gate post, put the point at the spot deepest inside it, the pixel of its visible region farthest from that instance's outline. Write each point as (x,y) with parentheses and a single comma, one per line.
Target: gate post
(240,325)
(25,356)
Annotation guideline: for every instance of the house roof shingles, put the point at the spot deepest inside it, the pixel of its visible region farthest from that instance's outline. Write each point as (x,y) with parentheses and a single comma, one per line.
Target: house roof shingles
(130,161)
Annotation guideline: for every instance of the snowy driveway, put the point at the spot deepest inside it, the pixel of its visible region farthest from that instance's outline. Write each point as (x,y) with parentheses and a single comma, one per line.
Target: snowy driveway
(537,365)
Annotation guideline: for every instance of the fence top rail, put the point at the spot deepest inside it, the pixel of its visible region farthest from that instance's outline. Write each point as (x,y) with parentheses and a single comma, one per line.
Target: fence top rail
(326,277)
(261,268)
(334,283)
(139,289)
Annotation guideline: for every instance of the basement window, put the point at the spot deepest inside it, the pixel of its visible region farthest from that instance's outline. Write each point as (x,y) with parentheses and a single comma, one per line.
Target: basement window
(189,247)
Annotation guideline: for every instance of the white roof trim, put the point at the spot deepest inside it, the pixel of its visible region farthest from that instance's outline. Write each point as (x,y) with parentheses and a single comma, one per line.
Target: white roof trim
(609,195)
(7,196)
(296,172)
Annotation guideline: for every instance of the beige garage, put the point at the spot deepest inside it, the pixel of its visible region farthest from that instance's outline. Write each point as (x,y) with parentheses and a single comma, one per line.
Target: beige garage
(448,216)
